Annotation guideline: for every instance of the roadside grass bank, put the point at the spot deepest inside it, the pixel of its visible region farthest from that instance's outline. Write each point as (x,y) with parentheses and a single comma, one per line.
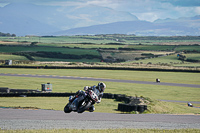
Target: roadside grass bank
(104,131)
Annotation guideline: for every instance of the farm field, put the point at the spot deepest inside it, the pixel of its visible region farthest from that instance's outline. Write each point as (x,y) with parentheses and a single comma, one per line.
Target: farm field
(125,49)
(170,59)
(103,49)
(98,39)
(12,49)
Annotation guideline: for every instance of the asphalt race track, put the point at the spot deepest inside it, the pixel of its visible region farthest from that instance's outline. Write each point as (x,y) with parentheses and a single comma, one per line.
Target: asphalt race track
(51,119)
(101,79)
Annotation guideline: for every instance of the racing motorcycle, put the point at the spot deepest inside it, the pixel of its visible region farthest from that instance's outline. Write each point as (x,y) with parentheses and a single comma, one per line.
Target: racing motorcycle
(82,102)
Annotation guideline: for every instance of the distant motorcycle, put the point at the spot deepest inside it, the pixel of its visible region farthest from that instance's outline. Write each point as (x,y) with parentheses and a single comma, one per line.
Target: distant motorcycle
(82,102)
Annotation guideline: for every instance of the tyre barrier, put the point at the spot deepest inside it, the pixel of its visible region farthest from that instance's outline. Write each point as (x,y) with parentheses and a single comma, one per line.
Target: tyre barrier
(36,94)
(129,108)
(108,96)
(119,97)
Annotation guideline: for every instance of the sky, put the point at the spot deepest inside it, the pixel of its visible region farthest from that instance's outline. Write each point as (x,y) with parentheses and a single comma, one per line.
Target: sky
(148,10)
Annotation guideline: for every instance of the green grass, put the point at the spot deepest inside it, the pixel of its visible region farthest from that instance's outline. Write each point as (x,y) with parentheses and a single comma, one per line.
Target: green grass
(66,85)
(23,58)
(187,65)
(53,103)
(13,57)
(104,131)
(164,59)
(64,60)
(103,39)
(193,56)
(171,77)
(171,60)
(188,47)
(80,45)
(59,39)
(159,107)
(152,47)
(12,49)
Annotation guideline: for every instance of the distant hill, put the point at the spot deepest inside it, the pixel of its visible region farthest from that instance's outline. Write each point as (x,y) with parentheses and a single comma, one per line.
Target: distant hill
(168,27)
(28,19)
(23,19)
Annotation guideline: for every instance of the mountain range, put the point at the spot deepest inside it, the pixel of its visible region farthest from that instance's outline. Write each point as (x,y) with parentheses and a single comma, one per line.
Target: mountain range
(28,19)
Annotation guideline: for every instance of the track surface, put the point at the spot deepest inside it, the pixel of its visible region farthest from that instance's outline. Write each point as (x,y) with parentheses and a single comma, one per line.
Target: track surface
(50,119)
(101,79)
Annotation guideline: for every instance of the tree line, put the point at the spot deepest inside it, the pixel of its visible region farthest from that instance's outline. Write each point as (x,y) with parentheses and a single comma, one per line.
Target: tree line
(7,34)
(58,55)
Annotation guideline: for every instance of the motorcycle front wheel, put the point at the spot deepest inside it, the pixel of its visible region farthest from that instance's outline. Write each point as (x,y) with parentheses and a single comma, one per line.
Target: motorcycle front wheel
(66,109)
(84,107)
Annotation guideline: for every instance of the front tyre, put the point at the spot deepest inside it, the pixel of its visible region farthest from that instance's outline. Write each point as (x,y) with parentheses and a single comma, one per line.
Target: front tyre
(84,107)
(67,109)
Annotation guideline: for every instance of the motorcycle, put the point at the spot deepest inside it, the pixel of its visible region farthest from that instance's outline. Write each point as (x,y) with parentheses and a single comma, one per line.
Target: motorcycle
(82,102)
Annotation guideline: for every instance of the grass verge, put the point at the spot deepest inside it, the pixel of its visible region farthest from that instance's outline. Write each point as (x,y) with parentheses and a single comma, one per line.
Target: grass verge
(52,103)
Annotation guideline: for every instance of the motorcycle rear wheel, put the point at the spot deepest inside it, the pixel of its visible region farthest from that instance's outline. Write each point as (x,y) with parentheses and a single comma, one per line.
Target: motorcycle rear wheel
(85,107)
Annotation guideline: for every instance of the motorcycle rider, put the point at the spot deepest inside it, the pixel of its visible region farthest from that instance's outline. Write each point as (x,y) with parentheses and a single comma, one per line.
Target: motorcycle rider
(99,89)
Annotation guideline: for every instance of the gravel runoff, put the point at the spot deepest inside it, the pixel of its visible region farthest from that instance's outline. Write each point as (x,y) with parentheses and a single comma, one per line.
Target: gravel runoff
(50,119)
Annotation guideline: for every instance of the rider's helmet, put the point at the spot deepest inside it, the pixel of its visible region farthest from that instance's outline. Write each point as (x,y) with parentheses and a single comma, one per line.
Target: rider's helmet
(101,86)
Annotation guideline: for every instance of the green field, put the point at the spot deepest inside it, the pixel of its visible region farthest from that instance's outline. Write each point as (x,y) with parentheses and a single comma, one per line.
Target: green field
(152,47)
(49,54)
(14,57)
(114,48)
(188,48)
(12,49)
(65,85)
(102,39)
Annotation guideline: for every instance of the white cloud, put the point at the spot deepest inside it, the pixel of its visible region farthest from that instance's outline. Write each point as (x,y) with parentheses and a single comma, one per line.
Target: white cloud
(3,4)
(104,3)
(149,10)
(197,10)
(149,16)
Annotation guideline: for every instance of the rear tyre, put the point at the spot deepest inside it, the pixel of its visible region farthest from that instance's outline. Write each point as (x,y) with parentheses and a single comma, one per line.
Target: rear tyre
(66,109)
(84,107)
